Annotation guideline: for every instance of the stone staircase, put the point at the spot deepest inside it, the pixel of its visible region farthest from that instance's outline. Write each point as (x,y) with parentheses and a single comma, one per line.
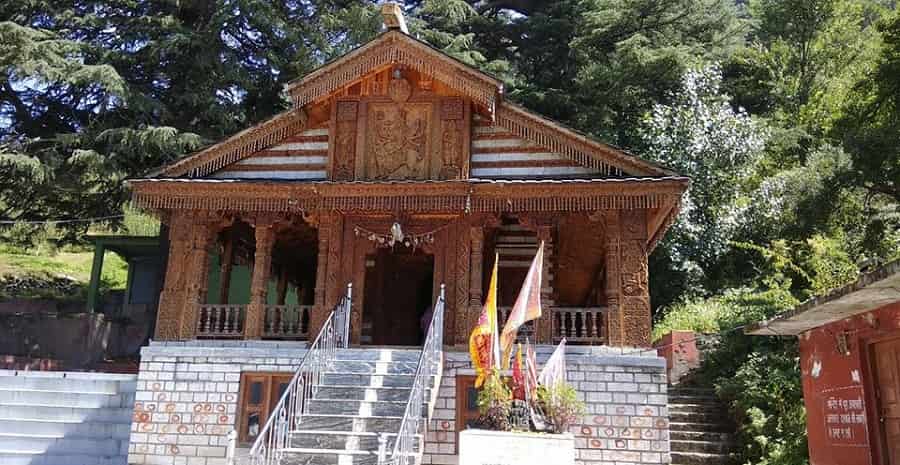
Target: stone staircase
(363,394)
(700,429)
(60,418)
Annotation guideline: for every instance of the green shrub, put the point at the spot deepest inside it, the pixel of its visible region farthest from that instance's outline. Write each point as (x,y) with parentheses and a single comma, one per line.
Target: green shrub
(560,405)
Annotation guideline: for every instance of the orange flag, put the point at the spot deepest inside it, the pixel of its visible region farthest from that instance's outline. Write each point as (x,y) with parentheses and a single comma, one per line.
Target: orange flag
(527,306)
(484,347)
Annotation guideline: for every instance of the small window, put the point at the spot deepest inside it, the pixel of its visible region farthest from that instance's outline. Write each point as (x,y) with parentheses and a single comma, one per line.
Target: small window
(260,393)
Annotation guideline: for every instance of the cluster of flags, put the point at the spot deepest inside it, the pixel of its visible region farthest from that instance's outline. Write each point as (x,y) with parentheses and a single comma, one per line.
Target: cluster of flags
(491,348)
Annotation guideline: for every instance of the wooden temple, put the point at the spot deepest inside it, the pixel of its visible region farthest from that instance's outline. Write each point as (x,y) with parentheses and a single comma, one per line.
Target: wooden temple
(399,169)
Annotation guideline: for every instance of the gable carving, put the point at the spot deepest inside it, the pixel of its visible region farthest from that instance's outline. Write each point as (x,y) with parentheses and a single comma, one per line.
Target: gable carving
(400,131)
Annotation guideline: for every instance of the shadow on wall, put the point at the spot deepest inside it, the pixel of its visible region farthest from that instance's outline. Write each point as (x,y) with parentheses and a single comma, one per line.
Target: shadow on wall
(73,340)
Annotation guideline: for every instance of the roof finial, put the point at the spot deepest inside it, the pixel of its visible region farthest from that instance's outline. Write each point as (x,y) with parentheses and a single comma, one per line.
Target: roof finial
(393,17)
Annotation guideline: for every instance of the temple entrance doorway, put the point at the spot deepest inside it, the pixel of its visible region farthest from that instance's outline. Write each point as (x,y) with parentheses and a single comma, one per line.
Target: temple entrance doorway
(398,296)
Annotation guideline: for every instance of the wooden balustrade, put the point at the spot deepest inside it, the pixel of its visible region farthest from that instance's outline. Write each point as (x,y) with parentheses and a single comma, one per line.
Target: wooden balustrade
(287,322)
(220,321)
(579,325)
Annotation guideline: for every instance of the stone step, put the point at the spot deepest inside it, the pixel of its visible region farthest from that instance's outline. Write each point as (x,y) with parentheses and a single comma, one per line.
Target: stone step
(364,393)
(72,414)
(693,391)
(346,423)
(699,427)
(698,417)
(18,458)
(708,447)
(338,440)
(385,355)
(686,399)
(370,380)
(65,398)
(298,456)
(30,444)
(78,429)
(678,407)
(699,436)
(71,383)
(698,458)
(357,407)
(374,367)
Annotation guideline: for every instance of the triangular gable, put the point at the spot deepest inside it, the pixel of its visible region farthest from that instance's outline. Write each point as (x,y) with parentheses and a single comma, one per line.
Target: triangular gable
(602,159)
(302,156)
(239,146)
(394,47)
(498,153)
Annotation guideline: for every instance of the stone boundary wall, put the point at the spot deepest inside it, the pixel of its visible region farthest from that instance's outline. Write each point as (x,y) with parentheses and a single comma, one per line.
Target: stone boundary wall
(626,420)
(186,399)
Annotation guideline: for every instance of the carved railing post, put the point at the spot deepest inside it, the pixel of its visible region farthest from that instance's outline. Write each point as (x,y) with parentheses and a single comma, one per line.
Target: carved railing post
(259,283)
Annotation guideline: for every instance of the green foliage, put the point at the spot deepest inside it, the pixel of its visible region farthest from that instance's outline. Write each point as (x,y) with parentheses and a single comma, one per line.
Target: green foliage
(495,403)
(560,405)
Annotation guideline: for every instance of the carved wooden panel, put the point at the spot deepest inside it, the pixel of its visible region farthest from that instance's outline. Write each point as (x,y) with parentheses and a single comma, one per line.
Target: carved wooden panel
(398,140)
(454,140)
(343,157)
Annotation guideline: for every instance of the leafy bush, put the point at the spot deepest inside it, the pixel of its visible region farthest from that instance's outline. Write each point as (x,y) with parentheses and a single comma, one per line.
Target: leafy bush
(495,403)
(560,405)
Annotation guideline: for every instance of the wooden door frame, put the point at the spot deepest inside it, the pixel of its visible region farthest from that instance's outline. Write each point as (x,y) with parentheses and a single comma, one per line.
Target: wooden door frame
(878,441)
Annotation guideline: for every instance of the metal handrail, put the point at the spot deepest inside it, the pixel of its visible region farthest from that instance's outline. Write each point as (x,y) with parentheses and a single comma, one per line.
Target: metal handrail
(429,368)
(286,416)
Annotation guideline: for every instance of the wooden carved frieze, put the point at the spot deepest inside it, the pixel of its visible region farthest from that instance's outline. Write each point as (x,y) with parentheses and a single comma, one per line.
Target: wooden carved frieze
(343,157)
(454,140)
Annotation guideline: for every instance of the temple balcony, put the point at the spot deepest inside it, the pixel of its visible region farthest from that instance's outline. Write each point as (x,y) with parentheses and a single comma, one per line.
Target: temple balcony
(227,321)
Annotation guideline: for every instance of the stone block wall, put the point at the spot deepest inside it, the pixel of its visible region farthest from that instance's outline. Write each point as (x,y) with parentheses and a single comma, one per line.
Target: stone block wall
(626,420)
(186,398)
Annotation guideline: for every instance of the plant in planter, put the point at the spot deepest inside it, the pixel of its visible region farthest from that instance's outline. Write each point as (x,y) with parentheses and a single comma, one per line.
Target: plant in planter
(495,403)
(560,406)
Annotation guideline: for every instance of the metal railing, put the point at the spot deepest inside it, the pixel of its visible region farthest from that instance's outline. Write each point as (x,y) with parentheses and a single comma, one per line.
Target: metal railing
(275,436)
(579,325)
(287,322)
(431,362)
(220,321)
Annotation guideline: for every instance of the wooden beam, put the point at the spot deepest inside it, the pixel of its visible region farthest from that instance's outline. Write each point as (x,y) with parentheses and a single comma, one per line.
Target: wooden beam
(393,17)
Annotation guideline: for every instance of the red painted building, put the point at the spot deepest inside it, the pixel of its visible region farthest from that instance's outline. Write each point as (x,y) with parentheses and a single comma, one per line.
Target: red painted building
(850,365)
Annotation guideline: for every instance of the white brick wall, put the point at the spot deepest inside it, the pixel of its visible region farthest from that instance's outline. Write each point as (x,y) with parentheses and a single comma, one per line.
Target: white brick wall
(186,399)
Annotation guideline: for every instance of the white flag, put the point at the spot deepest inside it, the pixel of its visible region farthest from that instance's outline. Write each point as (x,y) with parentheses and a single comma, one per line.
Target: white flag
(554,371)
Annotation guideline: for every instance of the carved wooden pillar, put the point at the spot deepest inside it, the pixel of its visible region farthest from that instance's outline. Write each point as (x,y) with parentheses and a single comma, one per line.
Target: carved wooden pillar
(171,299)
(259,282)
(319,311)
(197,279)
(634,292)
(476,267)
(544,324)
(614,334)
(225,267)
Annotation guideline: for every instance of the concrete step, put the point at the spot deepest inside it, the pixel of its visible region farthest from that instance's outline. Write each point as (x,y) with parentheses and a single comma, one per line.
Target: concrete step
(338,440)
(65,399)
(697,458)
(18,458)
(699,436)
(678,407)
(66,428)
(357,407)
(699,427)
(349,423)
(364,393)
(370,380)
(374,367)
(298,456)
(67,384)
(384,355)
(30,444)
(698,417)
(71,414)
(708,447)
(688,399)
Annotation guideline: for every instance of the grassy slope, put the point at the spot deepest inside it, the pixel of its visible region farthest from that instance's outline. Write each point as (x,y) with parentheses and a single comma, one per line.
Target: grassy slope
(74,265)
